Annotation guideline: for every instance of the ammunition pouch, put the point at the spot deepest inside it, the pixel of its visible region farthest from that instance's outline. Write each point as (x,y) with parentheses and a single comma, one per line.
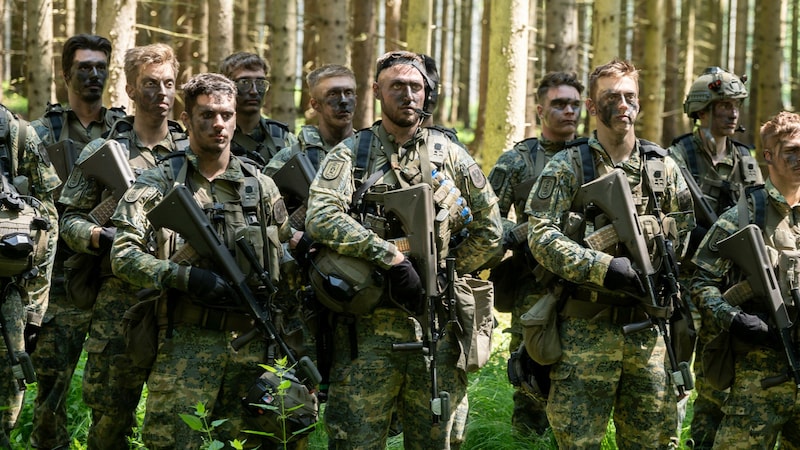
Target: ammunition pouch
(23,235)
(140,330)
(540,330)
(82,278)
(280,409)
(216,319)
(474,309)
(345,284)
(718,359)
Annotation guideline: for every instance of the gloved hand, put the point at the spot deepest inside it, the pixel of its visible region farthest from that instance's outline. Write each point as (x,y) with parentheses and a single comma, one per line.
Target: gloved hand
(696,237)
(405,286)
(752,328)
(621,276)
(208,287)
(31,334)
(107,238)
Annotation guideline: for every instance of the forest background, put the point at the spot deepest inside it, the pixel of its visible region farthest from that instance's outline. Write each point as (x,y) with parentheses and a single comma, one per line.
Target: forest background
(490,53)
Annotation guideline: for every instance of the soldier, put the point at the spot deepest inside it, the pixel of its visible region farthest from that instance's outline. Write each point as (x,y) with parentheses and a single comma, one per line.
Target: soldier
(66,130)
(721,168)
(369,381)
(754,415)
(29,184)
(333,99)
(256,137)
(559,109)
(112,384)
(195,361)
(601,368)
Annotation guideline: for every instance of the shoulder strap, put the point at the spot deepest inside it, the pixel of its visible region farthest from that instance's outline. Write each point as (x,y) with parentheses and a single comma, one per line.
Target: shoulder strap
(687,142)
(587,162)
(363,148)
(529,150)
(22,137)
(759,196)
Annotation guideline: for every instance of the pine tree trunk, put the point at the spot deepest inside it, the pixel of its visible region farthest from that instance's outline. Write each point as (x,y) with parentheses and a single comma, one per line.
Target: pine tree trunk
(363,64)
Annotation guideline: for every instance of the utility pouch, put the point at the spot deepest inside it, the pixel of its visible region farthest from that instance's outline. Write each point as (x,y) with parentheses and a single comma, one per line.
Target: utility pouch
(82,279)
(140,330)
(718,360)
(345,284)
(540,330)
(474,305)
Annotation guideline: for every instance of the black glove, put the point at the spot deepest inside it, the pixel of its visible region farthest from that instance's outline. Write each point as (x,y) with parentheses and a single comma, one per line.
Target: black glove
(106,238)
(621,276)
(31,337)
(406,286)
(208,287)
(696,237)
(753,329)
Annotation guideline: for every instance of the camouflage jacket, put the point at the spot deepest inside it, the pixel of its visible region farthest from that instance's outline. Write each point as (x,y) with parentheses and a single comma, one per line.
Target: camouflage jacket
(80,195)
(269,137)
(71,127)
(328,220)
(308,141)
(552,196)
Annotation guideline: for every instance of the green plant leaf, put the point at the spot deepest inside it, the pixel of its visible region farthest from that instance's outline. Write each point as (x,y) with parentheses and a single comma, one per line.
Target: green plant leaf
(194,422)
(216,445)
(218,422)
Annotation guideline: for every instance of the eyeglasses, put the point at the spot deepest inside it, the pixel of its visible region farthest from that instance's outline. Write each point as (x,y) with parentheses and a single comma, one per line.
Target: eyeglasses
(245,84)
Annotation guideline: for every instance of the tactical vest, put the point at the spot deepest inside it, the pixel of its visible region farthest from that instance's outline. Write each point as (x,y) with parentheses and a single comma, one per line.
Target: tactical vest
(312,146)
(535,161)
(56,115)
(721,194)
(261,152)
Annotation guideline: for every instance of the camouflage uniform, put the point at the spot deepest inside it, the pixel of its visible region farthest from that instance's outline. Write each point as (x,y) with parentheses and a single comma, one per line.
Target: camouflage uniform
(509,178)
(308,142)
(112,384)
(602,369)
(195,361)
(25,301)
(266,140)
(754,416)
(368,383)
(65,326)
(722,183)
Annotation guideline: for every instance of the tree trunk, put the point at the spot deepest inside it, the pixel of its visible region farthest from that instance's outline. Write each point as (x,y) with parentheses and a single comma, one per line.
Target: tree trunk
(418,26)
(768,58)
(220,36)
(561,33)
(243,26)
(465,53)
(332,48)
(40,62)
(183,47)
(443,61)
(283,16)
(483,78)
(394,36)
(311,13)
(508,65)
(795,74)
(363,65)
(740,67)
(653,73)
(673,94)
(120,27)
(605,35)
(532,78)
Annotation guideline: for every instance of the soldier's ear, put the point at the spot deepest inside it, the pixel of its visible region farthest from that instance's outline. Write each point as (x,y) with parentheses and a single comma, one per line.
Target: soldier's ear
(590,107)
(767,156)
(314,104)
(185,120)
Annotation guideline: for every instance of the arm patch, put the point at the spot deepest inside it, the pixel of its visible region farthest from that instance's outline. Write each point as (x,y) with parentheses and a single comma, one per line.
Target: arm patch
(717,235)
(477,177)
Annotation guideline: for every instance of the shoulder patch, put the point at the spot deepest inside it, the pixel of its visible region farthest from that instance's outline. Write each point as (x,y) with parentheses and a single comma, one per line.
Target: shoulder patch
(546,186)
(332,170)
(279,212)
(717,235)
(138,192)
(477,177)
(497,177)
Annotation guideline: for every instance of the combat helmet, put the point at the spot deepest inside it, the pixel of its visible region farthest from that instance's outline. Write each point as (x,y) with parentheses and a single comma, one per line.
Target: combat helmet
(714,84)
(280,405)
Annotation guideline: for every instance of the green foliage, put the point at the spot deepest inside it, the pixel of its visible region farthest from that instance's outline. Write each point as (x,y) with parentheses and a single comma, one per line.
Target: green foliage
(199,422)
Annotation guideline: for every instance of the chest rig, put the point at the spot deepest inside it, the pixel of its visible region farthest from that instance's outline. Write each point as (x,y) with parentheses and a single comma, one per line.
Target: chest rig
(269,139)
(535,160)
(424,163)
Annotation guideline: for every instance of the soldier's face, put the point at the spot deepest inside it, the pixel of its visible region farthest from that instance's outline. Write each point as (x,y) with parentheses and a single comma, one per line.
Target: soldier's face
(401,91)
(211,124)
(559,112)
(88,74)
(251,87)
(154,91)
(722,117)
(616,104)
(334,99)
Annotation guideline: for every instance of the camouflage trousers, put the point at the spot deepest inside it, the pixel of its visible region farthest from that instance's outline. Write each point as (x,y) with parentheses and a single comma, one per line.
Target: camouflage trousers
(603,370)
(11,397)
(199,366)
(57,354)
(368,383)
(707,407)
(754,416)
(112,385)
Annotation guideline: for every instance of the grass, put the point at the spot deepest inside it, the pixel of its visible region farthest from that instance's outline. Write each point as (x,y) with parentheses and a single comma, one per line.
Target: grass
(489,420)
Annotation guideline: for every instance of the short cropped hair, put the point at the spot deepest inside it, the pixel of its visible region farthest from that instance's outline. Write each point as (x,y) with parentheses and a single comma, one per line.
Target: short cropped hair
(556,79)
(243,60)
(616,68)
(328,71)
(780,127)
(390,59)
(83,42)
(212,84)
(138,57)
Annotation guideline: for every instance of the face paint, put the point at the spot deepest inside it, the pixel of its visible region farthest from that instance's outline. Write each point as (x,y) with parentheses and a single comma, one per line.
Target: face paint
(341,101)
(613,105)
(88,74)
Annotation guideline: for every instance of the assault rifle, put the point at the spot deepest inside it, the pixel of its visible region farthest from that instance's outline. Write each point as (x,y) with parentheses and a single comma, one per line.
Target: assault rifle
(413,207)
(63,155)
(179,211)
(746,249)
(611,194)
(293,180)
(20,362)
(705,213)
(108,166)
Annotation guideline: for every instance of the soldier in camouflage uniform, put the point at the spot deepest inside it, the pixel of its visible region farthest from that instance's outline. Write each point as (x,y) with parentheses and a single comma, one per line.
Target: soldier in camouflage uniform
(112,384)
(195,361)
(25,296)
(84,64)
(602,369)
(368,380)
(753,415)
(722,168)
(257,137)
(559,109)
